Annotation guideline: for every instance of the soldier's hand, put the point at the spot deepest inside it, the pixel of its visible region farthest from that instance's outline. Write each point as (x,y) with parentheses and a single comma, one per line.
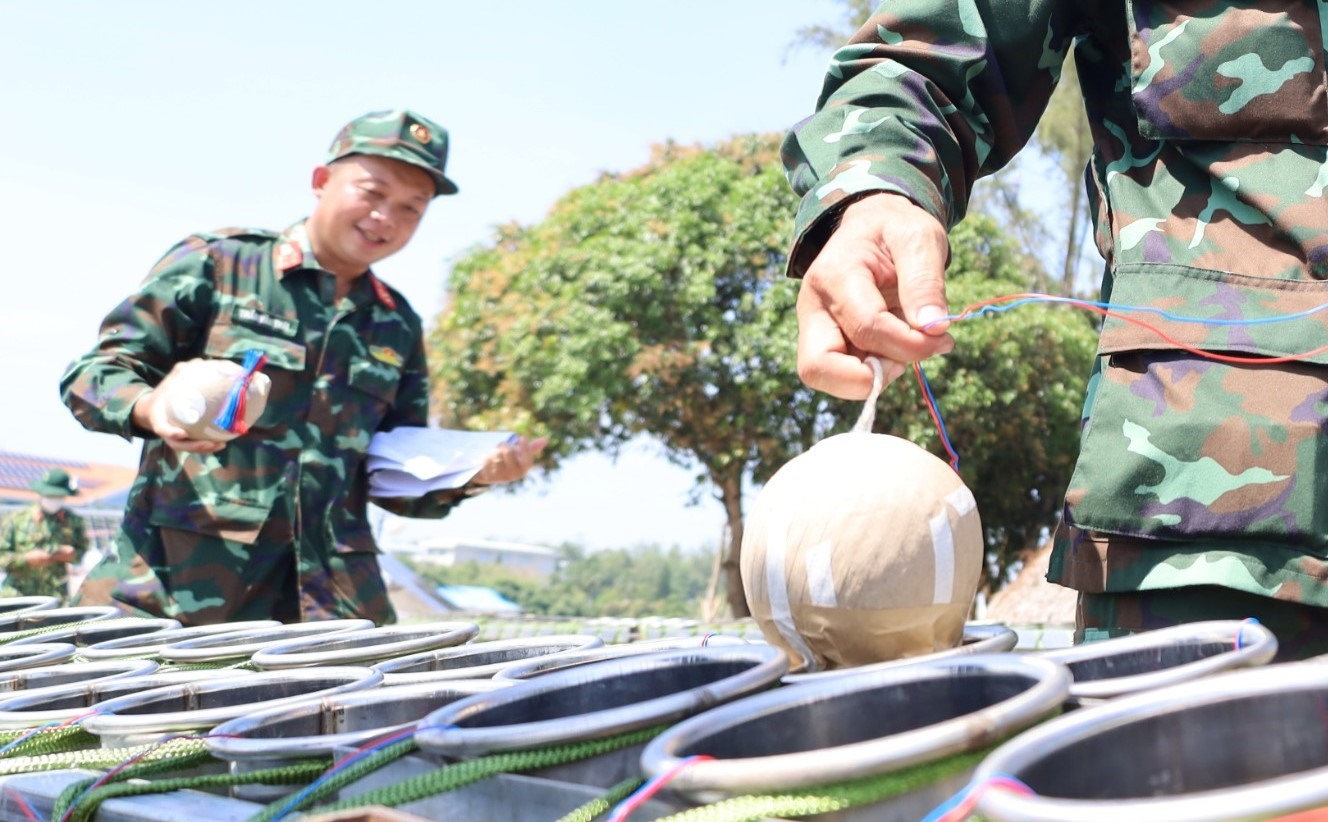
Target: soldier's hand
(876,288)
(509,463)
(65,553)
(149,414)
(37,558)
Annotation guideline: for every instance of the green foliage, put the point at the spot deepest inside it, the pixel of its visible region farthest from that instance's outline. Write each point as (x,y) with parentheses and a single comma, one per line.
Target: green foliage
(655,302)
(643,581)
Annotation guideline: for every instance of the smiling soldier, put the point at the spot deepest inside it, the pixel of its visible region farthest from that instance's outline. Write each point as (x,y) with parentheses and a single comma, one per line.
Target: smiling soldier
(273,524)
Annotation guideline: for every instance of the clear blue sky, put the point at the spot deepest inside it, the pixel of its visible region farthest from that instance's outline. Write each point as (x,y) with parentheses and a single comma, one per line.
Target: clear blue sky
(127,126)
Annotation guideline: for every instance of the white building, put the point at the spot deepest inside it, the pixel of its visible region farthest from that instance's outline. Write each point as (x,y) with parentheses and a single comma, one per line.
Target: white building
(448,551)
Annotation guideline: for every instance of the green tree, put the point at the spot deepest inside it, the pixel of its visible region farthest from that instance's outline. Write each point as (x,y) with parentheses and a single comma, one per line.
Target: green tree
(655,302)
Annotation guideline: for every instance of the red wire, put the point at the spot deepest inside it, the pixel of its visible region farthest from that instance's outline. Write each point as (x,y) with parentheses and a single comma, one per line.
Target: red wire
(935,416)
(653,787)
(1106,312)
(962,811)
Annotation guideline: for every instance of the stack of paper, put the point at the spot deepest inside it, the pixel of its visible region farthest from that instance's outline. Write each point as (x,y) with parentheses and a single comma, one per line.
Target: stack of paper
(411,462)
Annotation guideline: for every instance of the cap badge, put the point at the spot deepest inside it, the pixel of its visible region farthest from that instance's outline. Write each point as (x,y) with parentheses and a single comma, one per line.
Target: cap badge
(420,133)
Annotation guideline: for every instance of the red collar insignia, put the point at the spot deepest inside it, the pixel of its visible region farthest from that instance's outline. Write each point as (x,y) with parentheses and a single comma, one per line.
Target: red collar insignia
(380,290)
(287,256)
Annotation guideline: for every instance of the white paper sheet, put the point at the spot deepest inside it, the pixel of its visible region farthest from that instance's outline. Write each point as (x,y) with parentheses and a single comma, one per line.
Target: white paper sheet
(411,462)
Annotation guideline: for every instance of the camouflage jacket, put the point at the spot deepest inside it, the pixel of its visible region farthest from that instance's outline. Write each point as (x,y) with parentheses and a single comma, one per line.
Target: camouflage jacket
(1207,179)
(30,529)
(296,482)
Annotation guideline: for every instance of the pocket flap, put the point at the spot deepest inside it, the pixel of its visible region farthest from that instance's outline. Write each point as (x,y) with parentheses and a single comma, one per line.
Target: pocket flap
(1217,311)
(229,341)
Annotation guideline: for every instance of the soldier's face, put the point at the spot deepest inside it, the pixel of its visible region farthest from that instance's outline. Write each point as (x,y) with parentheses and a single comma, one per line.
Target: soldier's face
(368,208)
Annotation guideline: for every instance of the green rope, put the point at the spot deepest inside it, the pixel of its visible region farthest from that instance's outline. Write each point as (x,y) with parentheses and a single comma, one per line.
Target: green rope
(602,803)
(835,797)
(96,759)
(114,622)
(47,741)
(340,779)
(459,774)
(175,754)
(295,773)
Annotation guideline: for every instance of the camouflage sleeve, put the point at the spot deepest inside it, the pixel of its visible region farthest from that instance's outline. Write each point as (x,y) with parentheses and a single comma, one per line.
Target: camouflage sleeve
(10,558)
(412,408)
(78,536)
(927,97)
(157,326)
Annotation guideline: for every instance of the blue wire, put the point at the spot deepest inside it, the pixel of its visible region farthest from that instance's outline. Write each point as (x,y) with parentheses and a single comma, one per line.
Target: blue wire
(1047,298)
(940,421)
(393,739)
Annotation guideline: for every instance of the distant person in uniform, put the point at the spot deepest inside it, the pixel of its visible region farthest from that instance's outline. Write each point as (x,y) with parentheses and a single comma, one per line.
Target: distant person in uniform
(38,543)
(273,524)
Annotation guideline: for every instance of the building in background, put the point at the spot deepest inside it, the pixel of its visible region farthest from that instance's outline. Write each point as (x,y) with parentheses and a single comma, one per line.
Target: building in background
(102,490)
(533,560)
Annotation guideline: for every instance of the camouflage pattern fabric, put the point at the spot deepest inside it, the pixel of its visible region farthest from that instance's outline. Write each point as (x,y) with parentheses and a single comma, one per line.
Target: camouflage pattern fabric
(1301,630)
(31,529)
(275,523)
(1207,179)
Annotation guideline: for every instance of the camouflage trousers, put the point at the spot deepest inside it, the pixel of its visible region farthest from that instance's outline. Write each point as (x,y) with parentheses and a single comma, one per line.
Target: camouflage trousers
(1301,630)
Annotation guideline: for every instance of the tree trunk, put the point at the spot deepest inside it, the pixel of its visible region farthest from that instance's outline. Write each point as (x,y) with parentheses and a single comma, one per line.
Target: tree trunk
(730,493)
(709,608)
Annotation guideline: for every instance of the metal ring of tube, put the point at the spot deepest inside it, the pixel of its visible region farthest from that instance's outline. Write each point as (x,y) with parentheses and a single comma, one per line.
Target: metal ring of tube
(1049,685)
(1251,644)
(448,730)
(1264,799)
(434,666)
(150,644)
(978,639)
(364,647)
(243,644)
(112,717)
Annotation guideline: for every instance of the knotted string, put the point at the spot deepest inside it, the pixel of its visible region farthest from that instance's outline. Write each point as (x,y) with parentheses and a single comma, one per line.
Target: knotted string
(231,418)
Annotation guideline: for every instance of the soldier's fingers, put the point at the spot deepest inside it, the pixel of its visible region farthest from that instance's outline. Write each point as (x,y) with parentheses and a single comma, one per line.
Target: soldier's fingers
(823,359)
(194,446)
(537,444)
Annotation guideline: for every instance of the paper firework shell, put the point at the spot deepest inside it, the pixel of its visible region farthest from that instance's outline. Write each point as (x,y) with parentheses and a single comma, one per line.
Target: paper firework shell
(196,392)
(865,548)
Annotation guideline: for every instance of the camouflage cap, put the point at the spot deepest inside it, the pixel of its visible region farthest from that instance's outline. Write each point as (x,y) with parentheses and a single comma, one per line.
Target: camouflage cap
(402,135)
(56,483)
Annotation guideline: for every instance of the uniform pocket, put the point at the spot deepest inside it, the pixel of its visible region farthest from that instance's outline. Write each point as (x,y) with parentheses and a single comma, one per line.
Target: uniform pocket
(1245,70)
(1181,447)
(230,341)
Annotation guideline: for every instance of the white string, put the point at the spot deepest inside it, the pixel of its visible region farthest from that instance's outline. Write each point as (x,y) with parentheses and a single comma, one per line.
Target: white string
(868,417)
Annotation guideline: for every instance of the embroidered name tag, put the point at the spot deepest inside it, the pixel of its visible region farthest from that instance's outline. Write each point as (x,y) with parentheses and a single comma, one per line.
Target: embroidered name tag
(256,318)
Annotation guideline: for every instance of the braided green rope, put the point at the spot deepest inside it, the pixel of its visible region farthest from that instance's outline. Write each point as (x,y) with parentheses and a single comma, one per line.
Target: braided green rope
(605,801)
(242,665)
(460,774)
(341,778)
(97,759)
(175,754)
(295,773)
(47,741)
(836,797)
(113,622)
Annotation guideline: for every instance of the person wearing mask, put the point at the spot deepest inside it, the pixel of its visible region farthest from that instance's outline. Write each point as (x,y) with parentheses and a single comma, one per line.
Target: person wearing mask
(38,543)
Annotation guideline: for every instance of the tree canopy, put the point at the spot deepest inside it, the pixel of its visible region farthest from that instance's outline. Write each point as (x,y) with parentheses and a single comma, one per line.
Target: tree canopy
(655,302)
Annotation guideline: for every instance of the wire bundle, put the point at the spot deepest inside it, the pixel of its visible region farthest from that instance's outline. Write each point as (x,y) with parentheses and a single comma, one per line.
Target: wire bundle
(231,418)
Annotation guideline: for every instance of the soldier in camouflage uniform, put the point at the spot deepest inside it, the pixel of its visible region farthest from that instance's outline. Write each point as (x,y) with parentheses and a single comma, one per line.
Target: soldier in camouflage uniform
(1200,486)
(38,543)
(274,524)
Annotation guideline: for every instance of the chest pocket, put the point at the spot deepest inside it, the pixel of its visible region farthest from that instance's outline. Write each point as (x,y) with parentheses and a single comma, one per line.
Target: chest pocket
(1239,71)
(378,380)
(284,367)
